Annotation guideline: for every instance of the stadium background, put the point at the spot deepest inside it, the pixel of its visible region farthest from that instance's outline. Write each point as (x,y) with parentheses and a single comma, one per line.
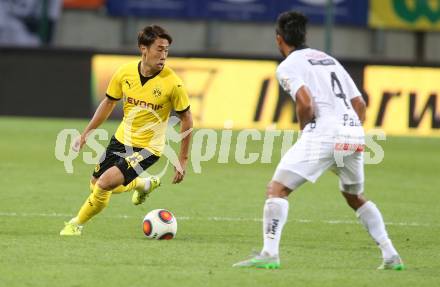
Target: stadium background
(53,76)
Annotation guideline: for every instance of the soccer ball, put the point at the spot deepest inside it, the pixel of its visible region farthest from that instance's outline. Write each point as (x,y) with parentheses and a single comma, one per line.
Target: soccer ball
(160,224)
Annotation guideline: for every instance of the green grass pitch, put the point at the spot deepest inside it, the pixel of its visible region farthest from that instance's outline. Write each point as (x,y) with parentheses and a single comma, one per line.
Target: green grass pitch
(218,215)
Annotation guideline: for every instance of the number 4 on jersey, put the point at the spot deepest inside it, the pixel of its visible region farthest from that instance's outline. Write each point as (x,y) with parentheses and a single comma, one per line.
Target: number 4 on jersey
(338,93)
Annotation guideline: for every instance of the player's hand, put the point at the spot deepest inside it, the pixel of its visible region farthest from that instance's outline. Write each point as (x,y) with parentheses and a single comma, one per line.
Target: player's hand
(179,175)
(79,143)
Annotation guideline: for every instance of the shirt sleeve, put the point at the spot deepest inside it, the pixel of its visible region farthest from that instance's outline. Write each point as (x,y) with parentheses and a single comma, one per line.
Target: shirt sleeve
(114,89)
(179,98)
(290,80)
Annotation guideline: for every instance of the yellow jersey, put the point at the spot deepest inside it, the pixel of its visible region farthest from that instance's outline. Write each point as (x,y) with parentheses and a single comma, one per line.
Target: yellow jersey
(147,103)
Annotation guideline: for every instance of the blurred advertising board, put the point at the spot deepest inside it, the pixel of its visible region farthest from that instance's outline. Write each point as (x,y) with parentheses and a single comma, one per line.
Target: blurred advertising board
(346,12)
(236,10)
(151,8)
(403,100)
(245,94)
(400,14)
(83,4)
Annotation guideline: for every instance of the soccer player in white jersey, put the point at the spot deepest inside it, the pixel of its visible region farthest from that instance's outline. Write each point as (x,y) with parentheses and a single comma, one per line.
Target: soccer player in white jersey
(330,111)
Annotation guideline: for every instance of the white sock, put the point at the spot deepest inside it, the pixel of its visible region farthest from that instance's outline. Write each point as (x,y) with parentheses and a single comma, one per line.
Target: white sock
(147,184)
(274,218)
(143,183)
(74,220)
(370,216)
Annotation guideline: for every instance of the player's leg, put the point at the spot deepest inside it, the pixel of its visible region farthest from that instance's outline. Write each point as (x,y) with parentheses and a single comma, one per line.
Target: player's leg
(305,161)
(111,157)
(276,208)
(123,173)
(101,194)
(106,161)
(371,218)
(96,201)
(136,183)
(275,212)
(134,165)
(142,186)
(351,184)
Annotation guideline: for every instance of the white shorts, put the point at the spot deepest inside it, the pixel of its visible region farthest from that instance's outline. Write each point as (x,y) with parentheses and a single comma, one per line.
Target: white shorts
(310,158)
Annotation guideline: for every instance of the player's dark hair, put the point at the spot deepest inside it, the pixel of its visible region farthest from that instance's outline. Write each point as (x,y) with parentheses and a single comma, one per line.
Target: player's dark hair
(291,26)
(149,34)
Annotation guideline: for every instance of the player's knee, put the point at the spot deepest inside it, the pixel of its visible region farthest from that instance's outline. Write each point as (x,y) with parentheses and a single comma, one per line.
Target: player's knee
(276,189)
(110,179)
(354,200)
(107,183)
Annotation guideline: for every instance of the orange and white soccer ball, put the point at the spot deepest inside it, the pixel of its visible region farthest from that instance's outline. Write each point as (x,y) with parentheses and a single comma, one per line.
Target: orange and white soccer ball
(160,224)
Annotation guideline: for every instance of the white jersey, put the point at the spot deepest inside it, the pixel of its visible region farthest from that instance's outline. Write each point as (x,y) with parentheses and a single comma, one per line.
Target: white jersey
(331,89)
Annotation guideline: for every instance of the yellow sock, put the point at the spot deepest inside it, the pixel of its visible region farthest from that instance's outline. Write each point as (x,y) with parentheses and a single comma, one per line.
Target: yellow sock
(128,187)
(96,202)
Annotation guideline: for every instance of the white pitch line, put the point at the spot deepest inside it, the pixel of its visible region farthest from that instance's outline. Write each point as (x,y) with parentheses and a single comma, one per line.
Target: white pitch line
(215,218)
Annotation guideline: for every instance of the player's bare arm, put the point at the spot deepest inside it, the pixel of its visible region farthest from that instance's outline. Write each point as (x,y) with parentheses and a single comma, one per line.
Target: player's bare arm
(304,107)
(103,111)
(186,125)
(360,107)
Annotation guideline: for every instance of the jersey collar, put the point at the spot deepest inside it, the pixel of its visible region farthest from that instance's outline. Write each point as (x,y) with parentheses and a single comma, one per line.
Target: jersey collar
(144,79)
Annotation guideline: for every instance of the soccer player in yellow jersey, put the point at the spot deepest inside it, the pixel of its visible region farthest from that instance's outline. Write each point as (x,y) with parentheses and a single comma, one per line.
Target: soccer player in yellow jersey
(149,91)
